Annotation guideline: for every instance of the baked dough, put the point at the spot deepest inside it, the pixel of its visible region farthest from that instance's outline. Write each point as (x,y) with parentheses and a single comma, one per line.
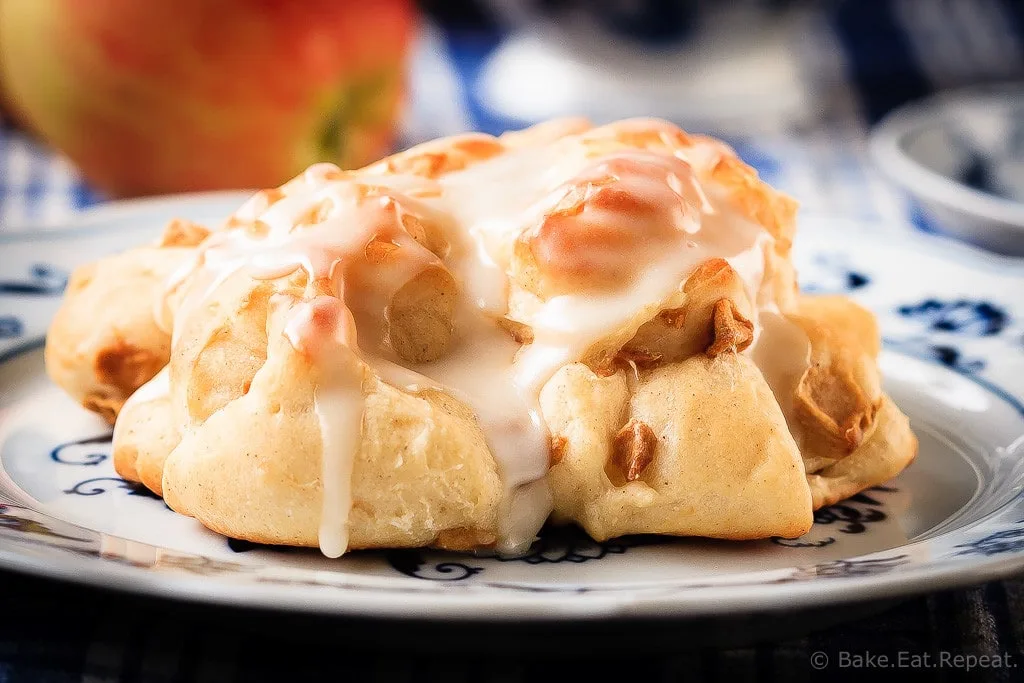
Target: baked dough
(104,342)
(457,343)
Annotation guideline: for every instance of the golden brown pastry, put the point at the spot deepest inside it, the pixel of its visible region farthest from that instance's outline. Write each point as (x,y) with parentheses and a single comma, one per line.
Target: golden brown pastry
(104,342)
(459,342)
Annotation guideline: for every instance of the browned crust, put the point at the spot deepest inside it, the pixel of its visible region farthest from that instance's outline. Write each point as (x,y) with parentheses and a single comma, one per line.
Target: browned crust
(122,364)
(183,233)
(559,445)
(463,540)
(890,449)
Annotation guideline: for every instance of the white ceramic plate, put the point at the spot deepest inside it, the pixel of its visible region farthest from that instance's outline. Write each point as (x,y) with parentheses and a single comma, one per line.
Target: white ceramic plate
(954,362)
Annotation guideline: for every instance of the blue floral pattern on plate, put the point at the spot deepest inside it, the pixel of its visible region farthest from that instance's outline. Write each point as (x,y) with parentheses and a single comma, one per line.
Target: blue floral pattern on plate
(42,280)
(1009,540)
(962,316)
(10,327)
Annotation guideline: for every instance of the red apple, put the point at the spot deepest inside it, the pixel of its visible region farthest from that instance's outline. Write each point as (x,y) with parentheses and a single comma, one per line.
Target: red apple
(155,96)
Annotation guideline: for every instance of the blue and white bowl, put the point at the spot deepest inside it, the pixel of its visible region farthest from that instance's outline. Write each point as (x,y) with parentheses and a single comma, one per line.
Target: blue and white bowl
(960,156)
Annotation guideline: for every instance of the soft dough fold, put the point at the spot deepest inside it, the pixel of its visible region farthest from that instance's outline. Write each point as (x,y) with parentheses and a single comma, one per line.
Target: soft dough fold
(708,474)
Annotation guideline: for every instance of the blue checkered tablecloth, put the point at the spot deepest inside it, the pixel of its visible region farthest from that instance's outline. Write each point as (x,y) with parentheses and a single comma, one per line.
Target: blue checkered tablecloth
(862,57)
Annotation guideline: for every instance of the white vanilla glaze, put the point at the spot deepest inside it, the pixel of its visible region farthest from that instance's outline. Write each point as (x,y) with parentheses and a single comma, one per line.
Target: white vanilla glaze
(656,259)
(783,354)
(622,256)
(155,389)
(326,230)
(158,387)
(325,330)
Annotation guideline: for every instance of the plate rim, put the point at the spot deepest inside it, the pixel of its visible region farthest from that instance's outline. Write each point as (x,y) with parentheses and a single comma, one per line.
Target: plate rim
(479,606)
(94,219)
